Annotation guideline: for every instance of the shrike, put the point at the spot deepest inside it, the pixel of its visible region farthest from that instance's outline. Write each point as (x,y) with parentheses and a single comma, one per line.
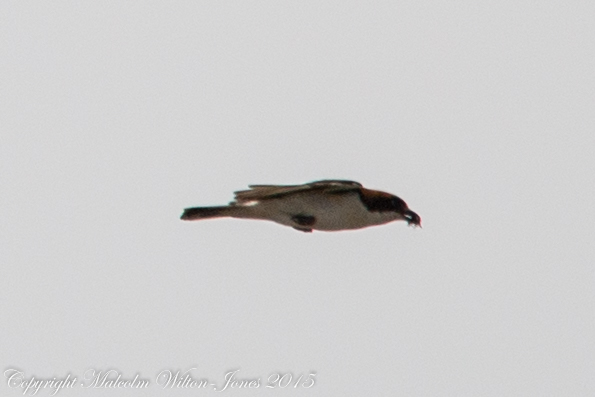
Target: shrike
(328,205)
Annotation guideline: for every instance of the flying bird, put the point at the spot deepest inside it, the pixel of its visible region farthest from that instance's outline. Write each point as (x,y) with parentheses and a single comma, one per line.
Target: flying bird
(328,205)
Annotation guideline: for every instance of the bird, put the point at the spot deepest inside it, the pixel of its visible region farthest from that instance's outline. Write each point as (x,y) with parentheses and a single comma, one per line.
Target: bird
(325,205)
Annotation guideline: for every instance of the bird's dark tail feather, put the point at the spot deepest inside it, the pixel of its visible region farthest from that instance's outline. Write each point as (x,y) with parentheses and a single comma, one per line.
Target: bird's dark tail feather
(195,213)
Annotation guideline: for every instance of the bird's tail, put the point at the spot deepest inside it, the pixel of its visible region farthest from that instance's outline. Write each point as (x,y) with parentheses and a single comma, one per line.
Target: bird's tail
(196,213)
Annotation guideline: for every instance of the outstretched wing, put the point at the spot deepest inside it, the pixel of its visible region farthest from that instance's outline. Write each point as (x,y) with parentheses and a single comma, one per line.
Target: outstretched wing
(263,192)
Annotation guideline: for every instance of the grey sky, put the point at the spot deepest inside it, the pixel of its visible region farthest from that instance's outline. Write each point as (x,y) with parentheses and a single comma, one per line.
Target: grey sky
(115,116)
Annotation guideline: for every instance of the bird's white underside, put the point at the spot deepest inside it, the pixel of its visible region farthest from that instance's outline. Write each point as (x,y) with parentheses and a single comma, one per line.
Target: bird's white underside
(332,212)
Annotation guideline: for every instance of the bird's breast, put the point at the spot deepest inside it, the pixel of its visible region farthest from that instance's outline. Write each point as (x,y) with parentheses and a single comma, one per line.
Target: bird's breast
(331,211)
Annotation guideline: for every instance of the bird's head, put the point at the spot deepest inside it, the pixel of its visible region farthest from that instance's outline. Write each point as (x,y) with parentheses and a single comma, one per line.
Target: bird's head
(412,218)
(376,201)
(401,207)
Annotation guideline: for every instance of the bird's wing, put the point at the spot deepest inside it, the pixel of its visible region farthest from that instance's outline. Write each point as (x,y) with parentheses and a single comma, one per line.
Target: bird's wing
(263,192)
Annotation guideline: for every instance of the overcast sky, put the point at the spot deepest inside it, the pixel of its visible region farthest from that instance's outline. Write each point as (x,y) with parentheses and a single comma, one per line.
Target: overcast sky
(116,115)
